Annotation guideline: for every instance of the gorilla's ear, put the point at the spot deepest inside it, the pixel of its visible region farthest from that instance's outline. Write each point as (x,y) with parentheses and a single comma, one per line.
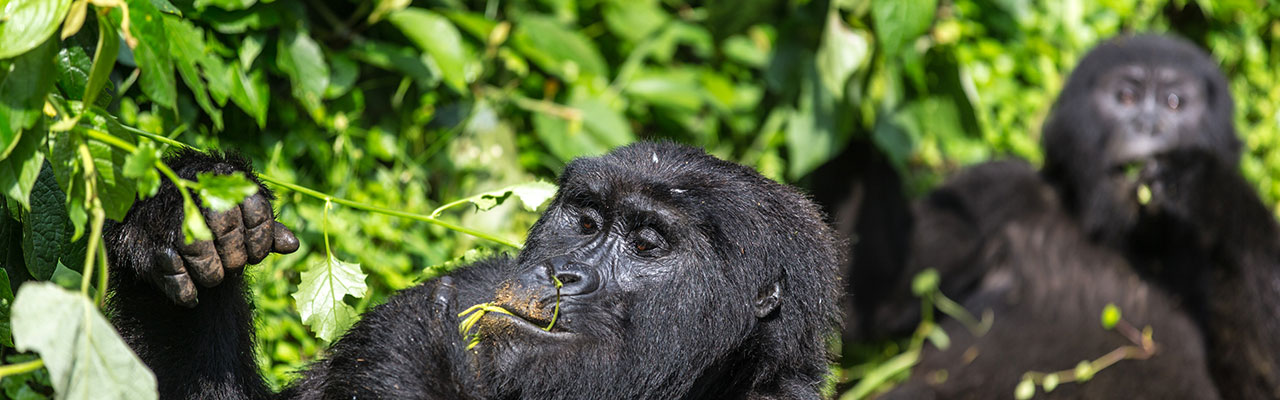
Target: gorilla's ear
(767,299)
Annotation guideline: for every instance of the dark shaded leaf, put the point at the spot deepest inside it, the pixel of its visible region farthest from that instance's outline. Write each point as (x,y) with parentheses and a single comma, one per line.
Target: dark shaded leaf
(45,226)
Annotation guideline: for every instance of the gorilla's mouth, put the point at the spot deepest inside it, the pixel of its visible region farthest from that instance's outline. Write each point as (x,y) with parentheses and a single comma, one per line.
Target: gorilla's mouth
(509,311)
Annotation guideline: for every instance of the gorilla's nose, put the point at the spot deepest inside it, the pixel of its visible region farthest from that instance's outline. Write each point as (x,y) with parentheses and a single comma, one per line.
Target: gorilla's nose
(575,278)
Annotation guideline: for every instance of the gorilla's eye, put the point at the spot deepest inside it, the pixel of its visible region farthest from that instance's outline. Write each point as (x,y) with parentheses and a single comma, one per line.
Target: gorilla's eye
(1126,96)
(586,225)
(646,240)
(1173,101)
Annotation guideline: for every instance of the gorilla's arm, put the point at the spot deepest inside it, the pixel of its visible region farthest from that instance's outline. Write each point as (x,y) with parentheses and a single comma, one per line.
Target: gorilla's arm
(408,348)
(183,308)
(953,225)
(1240,235)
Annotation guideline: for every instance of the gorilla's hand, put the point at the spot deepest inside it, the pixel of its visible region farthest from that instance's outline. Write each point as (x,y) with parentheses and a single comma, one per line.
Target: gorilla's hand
(1187,184)
(244,234)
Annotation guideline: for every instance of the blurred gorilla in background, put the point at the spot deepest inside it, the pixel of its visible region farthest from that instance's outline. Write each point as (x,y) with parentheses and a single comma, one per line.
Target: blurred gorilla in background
(1139,204)
(657,272)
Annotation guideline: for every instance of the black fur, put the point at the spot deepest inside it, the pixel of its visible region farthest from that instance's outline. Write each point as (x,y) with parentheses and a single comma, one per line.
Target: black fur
(684,277)
(1046,251)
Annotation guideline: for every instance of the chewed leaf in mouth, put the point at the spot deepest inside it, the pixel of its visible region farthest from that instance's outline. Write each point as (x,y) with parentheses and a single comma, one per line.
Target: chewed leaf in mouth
(472,315)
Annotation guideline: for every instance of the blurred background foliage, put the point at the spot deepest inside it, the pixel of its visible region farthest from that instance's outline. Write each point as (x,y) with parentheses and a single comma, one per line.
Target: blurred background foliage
(408,105)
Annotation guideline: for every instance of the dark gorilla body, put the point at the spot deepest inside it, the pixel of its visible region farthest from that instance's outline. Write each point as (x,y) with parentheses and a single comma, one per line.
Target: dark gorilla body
(1047,250)
(684,276)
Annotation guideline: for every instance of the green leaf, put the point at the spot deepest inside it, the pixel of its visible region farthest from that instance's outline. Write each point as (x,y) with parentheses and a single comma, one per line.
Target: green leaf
(899,23)
(384,8)
(320,296)
(841,53)
(45,227)
(221,192)
(73,71)
(434,34)
(811,133)
(532,195)
(104,60)
(1110,316)
(397,58)
(925,282)
(557,49)
(28,23)
(152,51)
(676,87)
(141,167)
(19,170)
(85,357)
(116,191)
(299,57)
(634,20)
(229,5)
(251,93)
(22,93)
(193,225)
(187,43)
(1025,390)
(6,298)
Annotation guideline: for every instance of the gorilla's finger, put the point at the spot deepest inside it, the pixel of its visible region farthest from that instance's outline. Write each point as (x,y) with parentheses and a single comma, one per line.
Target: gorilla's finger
(256,212)
(284,242)
(169,261)
(179,289)
(202,262)
(228,233)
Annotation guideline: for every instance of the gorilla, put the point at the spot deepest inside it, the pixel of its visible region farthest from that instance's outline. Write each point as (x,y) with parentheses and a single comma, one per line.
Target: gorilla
(657,272)
(1139,204)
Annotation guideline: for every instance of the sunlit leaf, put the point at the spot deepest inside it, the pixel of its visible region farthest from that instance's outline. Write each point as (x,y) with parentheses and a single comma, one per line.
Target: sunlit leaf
(302,60)
(899,23)
(320,294)
(28,23)
(841,53)
(434,34)
(22,93)
(85,357)
(531,195)
(152,51)
(221,192)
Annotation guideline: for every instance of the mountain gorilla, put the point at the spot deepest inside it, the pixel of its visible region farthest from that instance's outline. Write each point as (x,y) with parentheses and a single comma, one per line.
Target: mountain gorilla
(1139,204)
(679,275)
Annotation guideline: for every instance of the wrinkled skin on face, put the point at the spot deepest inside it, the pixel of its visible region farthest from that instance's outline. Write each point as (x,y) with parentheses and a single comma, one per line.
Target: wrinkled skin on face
(680,272)
(1132,102)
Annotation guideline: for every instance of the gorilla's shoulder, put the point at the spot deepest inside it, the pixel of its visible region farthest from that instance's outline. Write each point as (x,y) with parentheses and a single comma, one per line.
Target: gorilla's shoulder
(991,194)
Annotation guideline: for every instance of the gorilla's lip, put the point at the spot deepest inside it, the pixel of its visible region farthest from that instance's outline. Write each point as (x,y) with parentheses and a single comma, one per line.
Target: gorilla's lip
(535,324)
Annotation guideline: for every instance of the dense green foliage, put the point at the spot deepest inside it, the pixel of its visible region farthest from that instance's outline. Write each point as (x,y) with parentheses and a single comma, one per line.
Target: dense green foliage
(393,109)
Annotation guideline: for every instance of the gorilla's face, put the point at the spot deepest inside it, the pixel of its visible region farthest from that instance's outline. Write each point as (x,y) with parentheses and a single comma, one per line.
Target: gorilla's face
(1151,109)
(668,261)
(1130,104)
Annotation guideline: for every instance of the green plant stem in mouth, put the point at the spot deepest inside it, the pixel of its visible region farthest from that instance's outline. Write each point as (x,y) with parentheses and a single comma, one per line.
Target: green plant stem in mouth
(479,310)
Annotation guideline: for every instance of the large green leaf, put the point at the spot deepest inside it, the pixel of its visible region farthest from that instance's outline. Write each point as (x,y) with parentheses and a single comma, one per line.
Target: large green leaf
(437,36)
(557,49)
(85,357)
(250,92)
(900,22)
(841,53)
(19,170)
(299,57)
(25,24)
(104,60)
(45,227)
(187,43)
(531,195)
(146,24)
(22,93)
(320,296)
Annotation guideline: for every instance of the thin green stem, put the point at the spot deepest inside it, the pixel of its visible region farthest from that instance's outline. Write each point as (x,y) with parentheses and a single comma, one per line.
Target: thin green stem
(117,142)
(21,368)
(387,211)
